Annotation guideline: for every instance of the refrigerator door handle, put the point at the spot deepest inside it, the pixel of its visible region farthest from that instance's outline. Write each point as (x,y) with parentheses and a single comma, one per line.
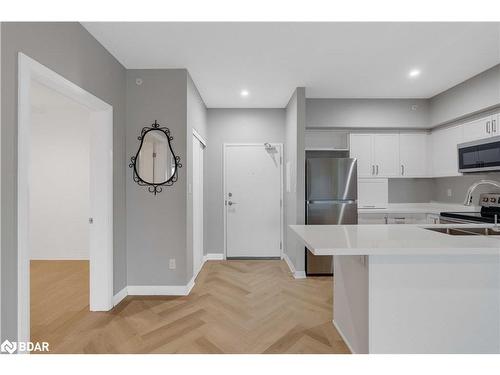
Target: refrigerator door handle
(347,201)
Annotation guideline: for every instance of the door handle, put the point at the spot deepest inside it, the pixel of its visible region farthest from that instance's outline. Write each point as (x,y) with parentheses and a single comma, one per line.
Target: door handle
(230,203)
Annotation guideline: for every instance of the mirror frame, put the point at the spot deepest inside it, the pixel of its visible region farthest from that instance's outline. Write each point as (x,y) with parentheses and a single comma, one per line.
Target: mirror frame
(153,187)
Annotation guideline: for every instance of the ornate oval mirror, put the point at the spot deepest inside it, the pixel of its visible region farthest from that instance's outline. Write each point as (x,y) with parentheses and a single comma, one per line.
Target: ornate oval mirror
(155,165)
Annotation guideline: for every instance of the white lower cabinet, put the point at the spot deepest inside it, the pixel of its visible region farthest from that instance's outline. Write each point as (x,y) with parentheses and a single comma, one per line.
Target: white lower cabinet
(432,219)
(407,218)
(381,218)
(368,218)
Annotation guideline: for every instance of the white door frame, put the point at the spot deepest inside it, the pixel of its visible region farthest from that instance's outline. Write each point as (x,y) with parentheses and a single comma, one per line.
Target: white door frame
(101,188)
(197,268)
(224,191)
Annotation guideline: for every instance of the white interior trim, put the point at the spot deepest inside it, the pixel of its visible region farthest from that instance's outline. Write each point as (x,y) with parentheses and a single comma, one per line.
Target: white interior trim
(296,274)
(343,337)
(214,256)
(200,138)
(101,187)
(118,297)
(0,183)
(161,290)
(224,147)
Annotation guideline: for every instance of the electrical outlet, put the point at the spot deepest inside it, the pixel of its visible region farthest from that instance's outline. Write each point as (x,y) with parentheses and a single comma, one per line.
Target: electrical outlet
(449,192)
(171,264)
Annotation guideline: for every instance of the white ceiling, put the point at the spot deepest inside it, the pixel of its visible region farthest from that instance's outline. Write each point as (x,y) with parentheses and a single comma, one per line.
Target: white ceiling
(332,60)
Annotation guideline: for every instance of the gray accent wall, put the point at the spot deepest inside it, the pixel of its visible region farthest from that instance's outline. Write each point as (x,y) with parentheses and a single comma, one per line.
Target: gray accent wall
(295,157)
(68,49)
(231,126)
(479,93)
(367,113)
(157,225)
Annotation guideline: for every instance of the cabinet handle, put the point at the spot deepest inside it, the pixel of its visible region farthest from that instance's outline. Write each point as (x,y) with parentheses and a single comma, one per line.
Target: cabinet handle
(386,219)
(494,126)
(373,170)
(377,169)
(402,170)
(488,127)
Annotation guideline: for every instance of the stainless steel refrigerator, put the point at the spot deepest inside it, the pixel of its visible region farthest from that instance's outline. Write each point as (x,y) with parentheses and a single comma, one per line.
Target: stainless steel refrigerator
(331,198)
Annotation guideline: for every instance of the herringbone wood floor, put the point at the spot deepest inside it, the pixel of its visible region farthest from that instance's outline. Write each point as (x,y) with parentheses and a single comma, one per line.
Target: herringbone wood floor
(235,307)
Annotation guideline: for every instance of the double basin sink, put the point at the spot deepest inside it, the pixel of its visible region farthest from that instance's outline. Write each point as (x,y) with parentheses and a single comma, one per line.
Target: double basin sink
(468,231)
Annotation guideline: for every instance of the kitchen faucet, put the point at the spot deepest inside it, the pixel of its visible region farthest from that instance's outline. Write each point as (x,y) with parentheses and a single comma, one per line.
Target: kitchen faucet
(468,197)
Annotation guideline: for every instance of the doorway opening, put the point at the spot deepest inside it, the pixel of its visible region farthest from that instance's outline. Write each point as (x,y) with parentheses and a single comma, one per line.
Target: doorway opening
(65,199)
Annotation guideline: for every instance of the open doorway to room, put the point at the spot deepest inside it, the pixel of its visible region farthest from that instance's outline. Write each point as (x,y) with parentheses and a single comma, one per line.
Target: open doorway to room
(59,212)
(65,203)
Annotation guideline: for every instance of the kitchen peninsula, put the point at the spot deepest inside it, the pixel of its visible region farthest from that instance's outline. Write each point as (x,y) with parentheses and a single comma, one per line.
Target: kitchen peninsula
(413,288)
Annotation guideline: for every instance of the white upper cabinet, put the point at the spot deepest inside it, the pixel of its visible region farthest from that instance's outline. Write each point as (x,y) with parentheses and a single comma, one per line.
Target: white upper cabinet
(386,155)
(377,154)
(481,128)
(413,151)
(361,149)
(319,139)
(444,161)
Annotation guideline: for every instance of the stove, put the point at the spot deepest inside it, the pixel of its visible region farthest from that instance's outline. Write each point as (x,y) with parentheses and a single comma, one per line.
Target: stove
(490,206)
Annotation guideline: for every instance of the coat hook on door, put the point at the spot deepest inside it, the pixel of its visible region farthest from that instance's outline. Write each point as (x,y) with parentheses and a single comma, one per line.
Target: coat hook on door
(269,147)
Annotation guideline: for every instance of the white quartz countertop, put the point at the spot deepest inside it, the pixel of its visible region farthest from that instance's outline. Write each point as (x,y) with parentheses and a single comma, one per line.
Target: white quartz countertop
(393,240)
(425,208)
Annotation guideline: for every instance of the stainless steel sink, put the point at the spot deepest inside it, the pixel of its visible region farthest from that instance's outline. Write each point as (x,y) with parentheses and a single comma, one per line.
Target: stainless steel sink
(466,231)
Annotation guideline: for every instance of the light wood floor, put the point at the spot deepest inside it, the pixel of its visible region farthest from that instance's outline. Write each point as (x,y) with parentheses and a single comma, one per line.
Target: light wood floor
(235,307)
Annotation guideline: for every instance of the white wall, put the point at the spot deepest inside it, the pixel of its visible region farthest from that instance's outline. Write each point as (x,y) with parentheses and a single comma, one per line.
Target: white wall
(59,199)
(295,173)
(232,126)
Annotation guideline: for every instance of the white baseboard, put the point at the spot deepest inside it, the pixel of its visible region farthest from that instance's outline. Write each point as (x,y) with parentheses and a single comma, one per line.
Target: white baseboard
(343,337)
(159,290)
(214,256)
(118,297)
(296,274)
(48,257)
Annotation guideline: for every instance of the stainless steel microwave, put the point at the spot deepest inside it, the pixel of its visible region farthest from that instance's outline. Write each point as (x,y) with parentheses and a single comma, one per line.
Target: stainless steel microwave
(479,156)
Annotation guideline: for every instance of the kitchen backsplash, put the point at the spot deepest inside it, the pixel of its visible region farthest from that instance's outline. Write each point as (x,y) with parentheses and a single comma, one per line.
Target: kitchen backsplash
(442,189)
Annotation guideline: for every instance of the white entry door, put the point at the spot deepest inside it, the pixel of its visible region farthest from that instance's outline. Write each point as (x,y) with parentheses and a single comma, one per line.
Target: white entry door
(197,204)
(253,194)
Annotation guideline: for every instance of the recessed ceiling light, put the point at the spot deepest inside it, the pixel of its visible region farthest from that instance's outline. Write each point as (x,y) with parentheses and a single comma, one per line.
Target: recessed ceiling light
(414,73)
(244,93)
